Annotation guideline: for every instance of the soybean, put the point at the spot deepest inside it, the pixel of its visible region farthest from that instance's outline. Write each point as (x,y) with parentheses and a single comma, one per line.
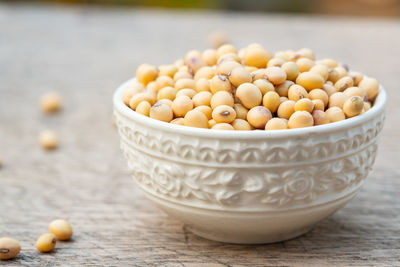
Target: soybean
(130,90)
(353,106)
(146,73)
(207,111)
(185,83)
(264,86)
(335,114)
(223,126)
(221,98)
(310,80)
(297,92)
(276,124)
(271,101)
(322,70)
(9,248)
(249,95)
(239,75)
(202,98)
(344,83)
(46,242)
(256,56)
(286,109)
(320,117)
(304,104)
(210,56)
(305,64)
(291,69)
(259,116)
(162,112)
(51,102)
(143,96)
(167,70)
(337,99)
(275,75)
(318,104)
(195,118)
(283,88)
(143,108)
(241,125)
(300,119)
(61,229)
(319,94)
(48,140)
(220,83)
(224,113)
(187,92)
(371,87)
(203,85)
(178,121)
(241,111)
(182,105)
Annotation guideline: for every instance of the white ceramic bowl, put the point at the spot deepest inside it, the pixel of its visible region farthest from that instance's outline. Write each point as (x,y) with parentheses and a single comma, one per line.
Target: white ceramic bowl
(249,186)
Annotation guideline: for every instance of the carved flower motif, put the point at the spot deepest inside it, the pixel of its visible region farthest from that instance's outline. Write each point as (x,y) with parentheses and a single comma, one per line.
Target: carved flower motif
(299,188)
(226,186)
(167,180)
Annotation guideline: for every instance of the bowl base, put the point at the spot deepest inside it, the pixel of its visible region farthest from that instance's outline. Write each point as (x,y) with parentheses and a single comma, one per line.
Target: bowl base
(250,227)
(261,239)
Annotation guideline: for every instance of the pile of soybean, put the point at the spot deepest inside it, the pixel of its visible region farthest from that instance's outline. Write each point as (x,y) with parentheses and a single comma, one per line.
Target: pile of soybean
(250,89)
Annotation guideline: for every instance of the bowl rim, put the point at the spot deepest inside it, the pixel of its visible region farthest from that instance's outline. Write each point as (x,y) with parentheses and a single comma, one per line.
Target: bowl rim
(375,110)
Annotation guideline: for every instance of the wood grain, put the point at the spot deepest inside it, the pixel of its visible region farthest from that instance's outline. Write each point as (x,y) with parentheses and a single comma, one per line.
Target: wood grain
(85,53)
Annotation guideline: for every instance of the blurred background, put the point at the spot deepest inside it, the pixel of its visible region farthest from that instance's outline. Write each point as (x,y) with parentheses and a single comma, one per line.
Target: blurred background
(84,49)
(342,7)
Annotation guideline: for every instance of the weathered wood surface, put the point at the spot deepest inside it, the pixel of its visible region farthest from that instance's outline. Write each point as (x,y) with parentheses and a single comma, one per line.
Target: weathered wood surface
(85,53)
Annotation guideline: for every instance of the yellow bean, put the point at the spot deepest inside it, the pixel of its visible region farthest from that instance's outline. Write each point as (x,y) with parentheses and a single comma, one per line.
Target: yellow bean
(300,119)
(195,118)
(46,242)
(276,124)
(249,95)
(61,229)
(259,116)
(224,113)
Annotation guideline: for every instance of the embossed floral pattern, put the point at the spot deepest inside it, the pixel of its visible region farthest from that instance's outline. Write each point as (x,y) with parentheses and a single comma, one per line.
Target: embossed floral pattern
(190,171)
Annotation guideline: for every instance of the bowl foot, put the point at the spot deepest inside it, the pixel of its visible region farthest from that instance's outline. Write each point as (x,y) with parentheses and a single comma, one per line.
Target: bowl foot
(260,239)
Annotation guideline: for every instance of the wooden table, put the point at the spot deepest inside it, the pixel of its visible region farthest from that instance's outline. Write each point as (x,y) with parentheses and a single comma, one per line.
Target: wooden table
(85,53)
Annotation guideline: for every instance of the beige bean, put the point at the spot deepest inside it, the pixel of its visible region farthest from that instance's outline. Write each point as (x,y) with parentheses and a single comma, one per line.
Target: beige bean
(196,118)
(335,114)
(249,95)
(224,113)
(220,83)
(61,229)
(286,109)
(259,116)
(182,105)
(276,124)
(371,87)
(9,248)
(241,125)
(222,126)
(300,119)
(162,112)
(146,73)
